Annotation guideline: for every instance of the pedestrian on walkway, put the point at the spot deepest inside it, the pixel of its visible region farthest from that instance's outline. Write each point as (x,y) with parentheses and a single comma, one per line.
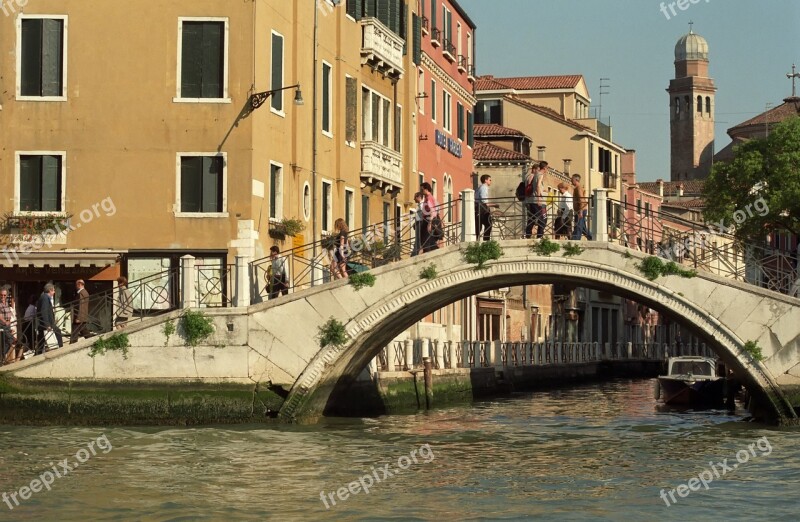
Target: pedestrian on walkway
(80,327)
(563,225)
(431,228)
(124,303)
(483,209)
(581,205)
(534,201)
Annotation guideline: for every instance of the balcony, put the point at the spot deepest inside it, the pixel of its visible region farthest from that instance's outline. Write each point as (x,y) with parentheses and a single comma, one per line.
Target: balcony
(462,63)
(436,37)
(381,167)
(449,51)
(609,180)
(471,72)
(425,25)
(381,49)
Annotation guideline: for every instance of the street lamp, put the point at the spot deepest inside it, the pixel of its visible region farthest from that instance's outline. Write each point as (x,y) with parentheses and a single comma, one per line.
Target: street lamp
(258,99)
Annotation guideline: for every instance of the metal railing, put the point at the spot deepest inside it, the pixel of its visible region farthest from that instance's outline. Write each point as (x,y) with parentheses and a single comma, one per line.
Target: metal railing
(514,219)
(371,247)
(700,247)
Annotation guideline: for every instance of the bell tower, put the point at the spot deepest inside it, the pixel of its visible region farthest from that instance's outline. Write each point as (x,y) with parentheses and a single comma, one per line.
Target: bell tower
(691,107)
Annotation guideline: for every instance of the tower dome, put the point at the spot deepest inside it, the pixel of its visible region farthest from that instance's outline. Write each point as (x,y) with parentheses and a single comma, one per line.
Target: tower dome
(691,47)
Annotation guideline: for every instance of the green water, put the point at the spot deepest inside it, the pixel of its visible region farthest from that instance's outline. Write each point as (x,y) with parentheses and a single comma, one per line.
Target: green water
(601,452)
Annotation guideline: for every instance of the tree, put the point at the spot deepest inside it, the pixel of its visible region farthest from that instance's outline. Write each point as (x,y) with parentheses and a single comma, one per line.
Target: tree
(759,191)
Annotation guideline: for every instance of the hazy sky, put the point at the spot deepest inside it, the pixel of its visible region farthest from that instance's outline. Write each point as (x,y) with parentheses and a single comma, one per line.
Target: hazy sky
(752,45)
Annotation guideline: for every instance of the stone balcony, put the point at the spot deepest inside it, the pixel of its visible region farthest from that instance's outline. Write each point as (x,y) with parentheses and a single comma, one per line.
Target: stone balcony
(381,167)
(381,49)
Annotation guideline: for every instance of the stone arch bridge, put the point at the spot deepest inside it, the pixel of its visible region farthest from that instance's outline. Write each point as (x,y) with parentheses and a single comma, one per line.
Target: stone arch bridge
(276,341)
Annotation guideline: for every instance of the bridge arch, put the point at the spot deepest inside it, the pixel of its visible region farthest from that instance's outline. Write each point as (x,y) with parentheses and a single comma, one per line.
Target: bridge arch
(406,298)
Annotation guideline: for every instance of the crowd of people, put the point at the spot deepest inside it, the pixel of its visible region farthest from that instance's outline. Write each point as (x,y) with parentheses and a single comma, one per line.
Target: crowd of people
(40,331)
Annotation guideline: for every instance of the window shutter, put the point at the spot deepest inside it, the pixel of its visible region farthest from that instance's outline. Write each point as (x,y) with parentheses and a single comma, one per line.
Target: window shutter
(470,129)
(433,14)
(213,59)
(402,26)
(52,57)
(417,28)
(460,118)
(212,184)
(351,95)
(370,8)
(191,179)
(191,59)
(51,180)
(383,12)
(276,100)
(355,8)
(273,191)
(29,182)
(31,58)
(398,128)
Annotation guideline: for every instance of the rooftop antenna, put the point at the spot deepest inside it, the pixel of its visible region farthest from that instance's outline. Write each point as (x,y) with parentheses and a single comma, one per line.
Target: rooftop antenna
(794,75)
(600,100)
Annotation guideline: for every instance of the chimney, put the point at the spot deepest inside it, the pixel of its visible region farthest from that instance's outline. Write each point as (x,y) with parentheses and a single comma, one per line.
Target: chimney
(680,190)
(541,149)
(567,163)
(660,183)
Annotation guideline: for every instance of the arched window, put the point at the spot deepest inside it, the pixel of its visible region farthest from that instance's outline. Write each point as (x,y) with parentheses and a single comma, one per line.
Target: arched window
(708,105)
(677,105)
(700,104)
(688,101)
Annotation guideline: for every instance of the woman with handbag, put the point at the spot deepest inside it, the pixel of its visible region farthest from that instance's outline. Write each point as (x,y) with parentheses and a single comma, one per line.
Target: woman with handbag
(432,223)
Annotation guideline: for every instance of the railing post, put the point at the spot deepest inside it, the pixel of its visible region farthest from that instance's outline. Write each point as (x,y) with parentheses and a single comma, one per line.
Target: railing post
(188,276)
(608,350)
(599,215)
(467,213)
(559,353)
(630,350)
(439,354)
(452,355)
(409,352)
(466,347)
(242,295)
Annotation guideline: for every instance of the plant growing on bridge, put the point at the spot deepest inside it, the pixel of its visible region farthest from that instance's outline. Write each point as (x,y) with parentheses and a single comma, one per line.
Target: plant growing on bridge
(652,267)
(545,247)
(480,253)
(332,333)
(429,272)
(572,249)
(754,350)
(361,280)
(168,329)
(196,327)
(115,342)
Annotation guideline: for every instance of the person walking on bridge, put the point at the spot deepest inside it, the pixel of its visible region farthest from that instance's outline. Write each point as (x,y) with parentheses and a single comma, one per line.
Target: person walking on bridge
(581,206)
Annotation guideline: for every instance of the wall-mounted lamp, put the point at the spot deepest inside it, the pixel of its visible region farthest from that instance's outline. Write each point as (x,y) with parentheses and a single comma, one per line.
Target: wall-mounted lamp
(423,137)
(258,99)
(421,96)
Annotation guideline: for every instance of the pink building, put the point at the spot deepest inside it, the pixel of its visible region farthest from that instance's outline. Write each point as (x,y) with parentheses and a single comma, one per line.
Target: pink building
(445,101)
(640,222)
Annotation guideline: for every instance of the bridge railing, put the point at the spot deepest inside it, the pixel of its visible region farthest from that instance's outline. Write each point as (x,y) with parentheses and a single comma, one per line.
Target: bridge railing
(372,246)
(514,219)
(701,247)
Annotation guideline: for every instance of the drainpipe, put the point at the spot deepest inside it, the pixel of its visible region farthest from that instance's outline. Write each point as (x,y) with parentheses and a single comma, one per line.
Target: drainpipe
(314,151)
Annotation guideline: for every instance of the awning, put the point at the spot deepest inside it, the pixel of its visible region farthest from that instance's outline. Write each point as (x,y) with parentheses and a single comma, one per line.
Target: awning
(61,258)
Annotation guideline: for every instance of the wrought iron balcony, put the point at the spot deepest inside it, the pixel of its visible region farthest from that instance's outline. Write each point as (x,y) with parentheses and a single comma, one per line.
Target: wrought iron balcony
(381,167)
(381,49)
(471,72)
(449,51)
(436,37)
(609,180)
(425,24)
(462,63)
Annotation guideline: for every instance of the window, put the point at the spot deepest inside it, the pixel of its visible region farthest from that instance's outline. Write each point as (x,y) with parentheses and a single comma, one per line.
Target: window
(276,100)
(41,182)
(448,197)
(421,179)
(446,108)
(366,118)
(489,111)
(469,53)
(677,105)
(349,208)
(461,123)
(375,109)
(376,118)
(364,213)
(639,206)
(275,190)
(327,205)
(202,183)
(708,104)
(416,44)
(433,189)
(433,100)
(387,212)
(307,201)
(351,111)
(203,59)
(398,128)
(591,156)
(387,111)
(647,209)
(41,58)
(327,99)
(447,24)
(470,129)
(700,104)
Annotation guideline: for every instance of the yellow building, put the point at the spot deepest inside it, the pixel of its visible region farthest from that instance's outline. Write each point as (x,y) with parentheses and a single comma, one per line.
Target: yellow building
(146,128)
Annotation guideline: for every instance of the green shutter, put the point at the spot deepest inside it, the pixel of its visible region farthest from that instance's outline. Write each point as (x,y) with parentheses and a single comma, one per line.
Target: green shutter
(52,57)
(30,182)
(213,60)
(470,129)
(460,119)
(383,12)
(276,100)
(212,184)
(364,213)
(51,181)
(351,112)
(31,58)
(191,183)
(191,59)
(433,15)
(370,8)
(403,26)
(355,8)
(273,191)
(326,97)
(417,28)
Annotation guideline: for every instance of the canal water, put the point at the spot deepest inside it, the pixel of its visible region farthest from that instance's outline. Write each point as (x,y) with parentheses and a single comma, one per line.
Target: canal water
(599,452)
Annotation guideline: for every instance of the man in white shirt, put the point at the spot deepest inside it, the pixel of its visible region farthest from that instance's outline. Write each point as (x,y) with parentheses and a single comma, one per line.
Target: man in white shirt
(565,212)
(534,200)
(483,209)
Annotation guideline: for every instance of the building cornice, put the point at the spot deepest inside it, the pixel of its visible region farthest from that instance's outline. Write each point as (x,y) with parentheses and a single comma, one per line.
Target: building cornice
(448,80)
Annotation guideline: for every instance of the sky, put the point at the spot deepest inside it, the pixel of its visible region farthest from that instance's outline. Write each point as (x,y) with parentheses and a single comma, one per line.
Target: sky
(752,45)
